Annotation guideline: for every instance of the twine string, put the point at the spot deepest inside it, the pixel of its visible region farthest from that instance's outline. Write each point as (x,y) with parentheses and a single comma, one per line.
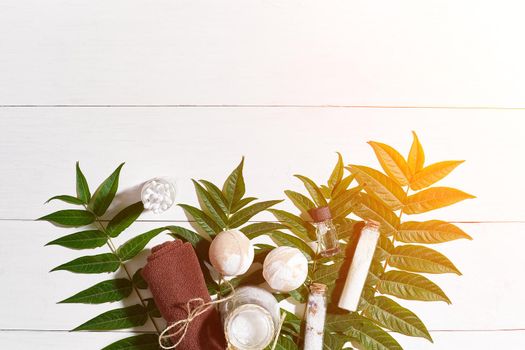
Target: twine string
(195,308)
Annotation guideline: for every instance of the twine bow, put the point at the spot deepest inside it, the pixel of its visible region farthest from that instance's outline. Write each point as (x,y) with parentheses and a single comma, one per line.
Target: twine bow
(180,328)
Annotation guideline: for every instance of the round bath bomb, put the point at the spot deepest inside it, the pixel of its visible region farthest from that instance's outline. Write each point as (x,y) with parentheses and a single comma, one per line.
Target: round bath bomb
(285,268)
(231,253)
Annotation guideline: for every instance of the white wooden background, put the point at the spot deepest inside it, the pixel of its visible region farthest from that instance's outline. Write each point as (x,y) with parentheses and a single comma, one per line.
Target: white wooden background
(185,88)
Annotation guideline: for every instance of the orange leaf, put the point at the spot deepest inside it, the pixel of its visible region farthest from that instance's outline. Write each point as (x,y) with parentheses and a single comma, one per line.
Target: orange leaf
(433,198)
(380,185)
(433,173)
(433,231)
(416,156)
(392,162)
(370,208)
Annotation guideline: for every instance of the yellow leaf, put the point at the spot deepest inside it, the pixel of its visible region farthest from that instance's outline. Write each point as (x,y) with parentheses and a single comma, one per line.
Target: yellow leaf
(337,173)
(433,198)
(370,208)
(416,156)
(392,162)
(430,232)
(380,185)
(433,173)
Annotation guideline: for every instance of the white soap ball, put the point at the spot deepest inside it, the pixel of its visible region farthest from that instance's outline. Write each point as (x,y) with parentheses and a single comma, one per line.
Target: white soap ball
(231,253)
(285,268)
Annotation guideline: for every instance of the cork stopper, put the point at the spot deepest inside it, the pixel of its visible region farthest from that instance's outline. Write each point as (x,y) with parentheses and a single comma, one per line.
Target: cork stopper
(318,288)
(320,214)
(372,224)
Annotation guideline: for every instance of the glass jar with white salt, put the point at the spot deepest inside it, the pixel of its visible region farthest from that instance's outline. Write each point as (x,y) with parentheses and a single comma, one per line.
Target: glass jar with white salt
(250,318)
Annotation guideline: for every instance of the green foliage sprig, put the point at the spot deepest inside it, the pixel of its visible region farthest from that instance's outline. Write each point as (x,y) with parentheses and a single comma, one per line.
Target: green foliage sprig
(99,234)
(352,192)
(396,268)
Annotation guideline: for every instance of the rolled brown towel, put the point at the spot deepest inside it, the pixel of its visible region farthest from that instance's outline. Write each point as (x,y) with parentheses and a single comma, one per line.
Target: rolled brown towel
(174,276)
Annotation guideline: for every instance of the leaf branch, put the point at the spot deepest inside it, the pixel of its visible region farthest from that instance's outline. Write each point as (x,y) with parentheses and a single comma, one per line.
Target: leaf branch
(113,249)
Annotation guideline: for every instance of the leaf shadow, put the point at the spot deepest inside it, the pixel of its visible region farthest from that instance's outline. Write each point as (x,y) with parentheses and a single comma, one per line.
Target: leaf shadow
(124,199)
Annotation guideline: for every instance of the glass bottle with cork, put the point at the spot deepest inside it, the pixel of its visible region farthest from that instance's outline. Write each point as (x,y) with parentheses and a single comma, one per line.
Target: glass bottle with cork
(327,240)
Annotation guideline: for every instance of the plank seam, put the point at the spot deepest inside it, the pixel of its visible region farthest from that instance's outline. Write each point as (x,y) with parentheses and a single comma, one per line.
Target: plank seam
(255,221)
(152,332)
(321,106)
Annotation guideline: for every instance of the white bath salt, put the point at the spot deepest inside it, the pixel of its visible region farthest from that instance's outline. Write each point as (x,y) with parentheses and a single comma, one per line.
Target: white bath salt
(158,195)
(358,272)
(249,327)
(315,317)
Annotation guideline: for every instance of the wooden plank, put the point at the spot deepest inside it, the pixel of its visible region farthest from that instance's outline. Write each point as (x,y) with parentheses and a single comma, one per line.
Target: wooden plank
(59,340)
(39,147)
(490,264)
(405,52)
(92,340)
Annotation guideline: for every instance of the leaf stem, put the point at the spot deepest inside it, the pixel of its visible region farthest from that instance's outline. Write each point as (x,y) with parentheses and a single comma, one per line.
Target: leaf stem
(113,249)
(385,265)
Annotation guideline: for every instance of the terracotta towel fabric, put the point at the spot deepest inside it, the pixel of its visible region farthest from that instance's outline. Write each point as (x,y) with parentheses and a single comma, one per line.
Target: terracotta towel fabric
(174,276)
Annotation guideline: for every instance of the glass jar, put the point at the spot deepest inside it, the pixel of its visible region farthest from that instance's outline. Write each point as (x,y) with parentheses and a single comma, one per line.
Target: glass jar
(327,240)
(250,318)
(158,194)
(315,317)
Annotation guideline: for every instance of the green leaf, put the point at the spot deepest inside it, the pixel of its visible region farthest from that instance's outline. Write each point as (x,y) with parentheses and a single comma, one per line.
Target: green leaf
(70,218)
(297,225)
(410,286)
(421,259)
(334,341)
(384,248)
(374,273)
(243,215)
(370,336)
(242,203)
(103,292)
(285,343)
(337,173)
(202,219)
(389,314)
(260,228)
(380,185)
(82,186)
(261,251)
(138,280)
(124,219)
(314,190)
(291,324)
(234,188)
(82,240)
(128,317)
(433,231)
(135,245)
(212,207)
(303,203)
(107,262)
(343,205)
(368,207)
(217,195)
(105,193)
(136,342)
(152,308)
(66,198)
(186,235)
(300,294)
(282,238)
(327,274)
